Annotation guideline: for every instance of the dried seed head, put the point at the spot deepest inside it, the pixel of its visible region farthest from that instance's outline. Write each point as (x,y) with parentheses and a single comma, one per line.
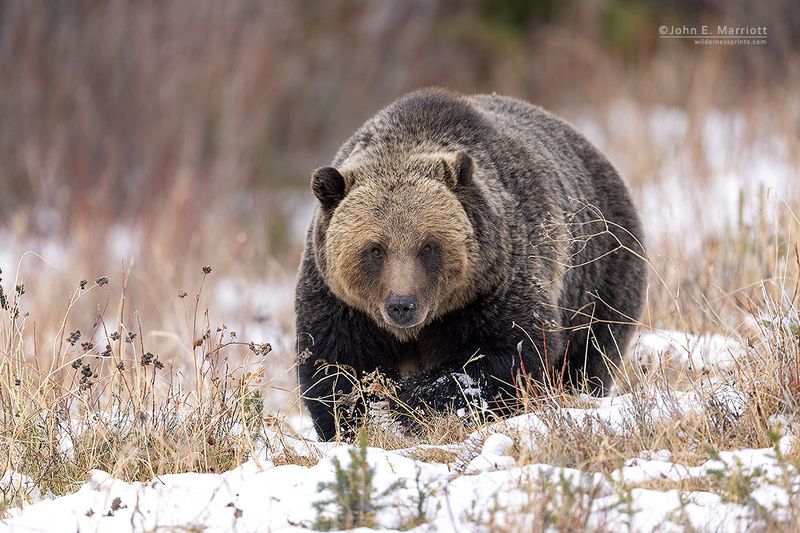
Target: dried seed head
(102,280)
(83,284)
(131,335)
(206,270)
(74,337)
(114,336)
(305,355)
(260,349)
(182,295)
(76,364)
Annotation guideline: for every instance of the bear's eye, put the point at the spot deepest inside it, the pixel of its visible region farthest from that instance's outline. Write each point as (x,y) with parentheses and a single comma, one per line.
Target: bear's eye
(426,249)
(372,259)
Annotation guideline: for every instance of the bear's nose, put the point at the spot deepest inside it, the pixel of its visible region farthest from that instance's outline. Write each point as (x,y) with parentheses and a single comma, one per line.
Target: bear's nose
(401,309)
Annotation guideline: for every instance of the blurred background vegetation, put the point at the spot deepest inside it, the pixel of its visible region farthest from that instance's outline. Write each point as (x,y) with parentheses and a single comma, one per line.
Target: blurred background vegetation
(201,119)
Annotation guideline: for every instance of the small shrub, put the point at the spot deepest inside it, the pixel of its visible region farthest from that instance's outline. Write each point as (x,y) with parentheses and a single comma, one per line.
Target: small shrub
(351,494)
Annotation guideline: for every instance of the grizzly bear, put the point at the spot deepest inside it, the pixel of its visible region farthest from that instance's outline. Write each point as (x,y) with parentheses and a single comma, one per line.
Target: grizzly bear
(465,247)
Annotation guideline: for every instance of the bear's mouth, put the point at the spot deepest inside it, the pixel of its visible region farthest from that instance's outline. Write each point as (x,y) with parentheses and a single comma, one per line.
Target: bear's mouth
(405,326)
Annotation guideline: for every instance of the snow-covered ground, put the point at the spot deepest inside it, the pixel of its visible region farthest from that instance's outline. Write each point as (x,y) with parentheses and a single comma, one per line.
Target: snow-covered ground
(483,484)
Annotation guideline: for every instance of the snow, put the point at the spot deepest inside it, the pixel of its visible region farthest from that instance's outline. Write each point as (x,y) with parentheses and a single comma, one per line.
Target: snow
(484,487)
(281,498)
(494,455)
(12,481)
(470,391)
(678,350)
(742,163)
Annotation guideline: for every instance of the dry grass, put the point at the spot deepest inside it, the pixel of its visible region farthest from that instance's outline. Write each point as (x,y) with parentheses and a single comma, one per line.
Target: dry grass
(758,307)
(288,456)
(552,502)
(99,399)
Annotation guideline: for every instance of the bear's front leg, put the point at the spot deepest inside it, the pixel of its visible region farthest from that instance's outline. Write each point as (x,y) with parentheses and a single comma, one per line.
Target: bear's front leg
(492,383)
(444,389)
(328,393)
(337,346)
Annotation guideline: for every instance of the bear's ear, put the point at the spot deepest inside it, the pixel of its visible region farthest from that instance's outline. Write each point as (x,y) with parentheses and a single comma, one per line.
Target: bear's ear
(458,170)
(328,186)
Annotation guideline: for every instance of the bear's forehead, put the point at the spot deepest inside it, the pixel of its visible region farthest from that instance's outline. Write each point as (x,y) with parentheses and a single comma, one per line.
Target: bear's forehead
(396,164)
(399,198)
(399,212)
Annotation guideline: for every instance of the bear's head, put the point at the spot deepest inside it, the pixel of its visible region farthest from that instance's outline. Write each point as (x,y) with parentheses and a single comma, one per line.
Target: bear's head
(394,240)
